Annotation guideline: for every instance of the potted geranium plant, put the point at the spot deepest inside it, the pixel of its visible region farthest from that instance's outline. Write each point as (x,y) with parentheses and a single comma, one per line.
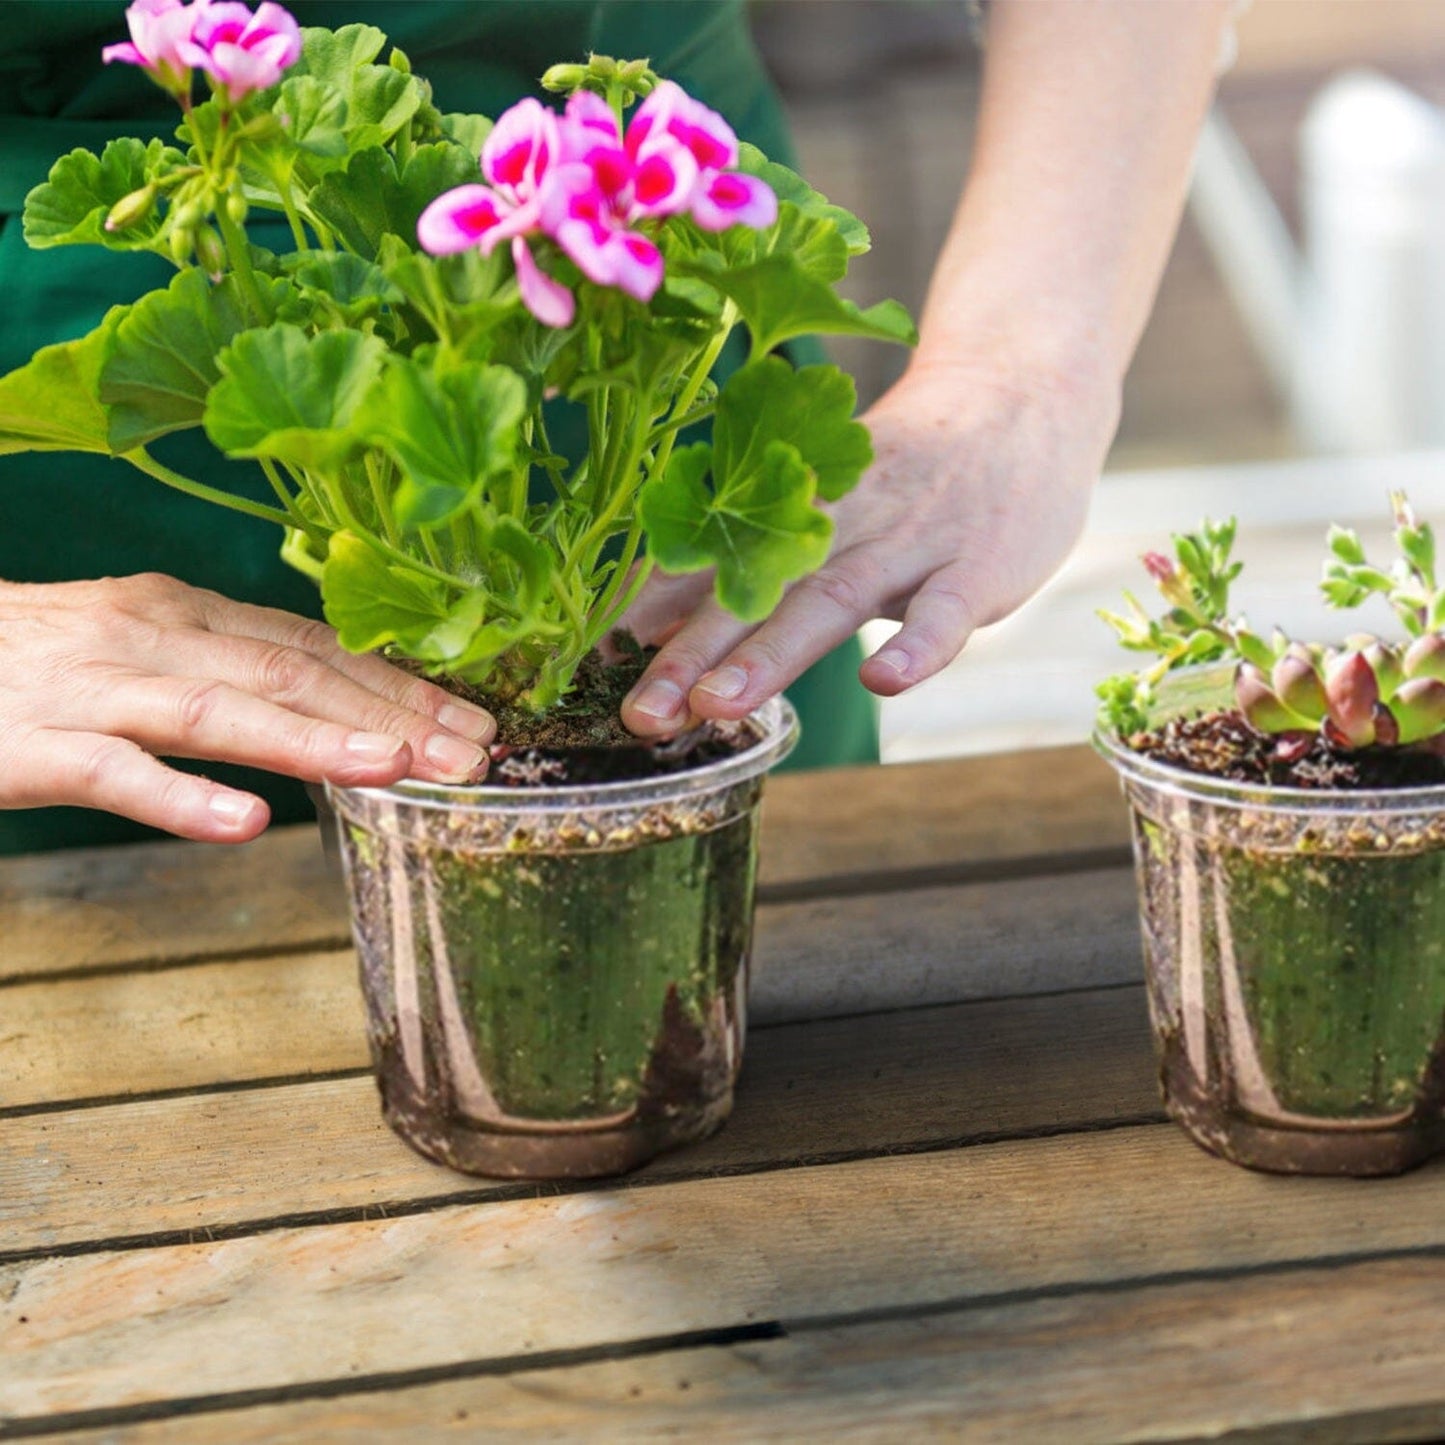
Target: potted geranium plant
(1288,803)
(554,958)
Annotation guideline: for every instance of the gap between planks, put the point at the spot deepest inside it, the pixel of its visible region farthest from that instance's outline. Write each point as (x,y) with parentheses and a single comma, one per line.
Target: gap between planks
(878,1241)
(1342,1355)
(100,910)
(183,1169)
(273,1018)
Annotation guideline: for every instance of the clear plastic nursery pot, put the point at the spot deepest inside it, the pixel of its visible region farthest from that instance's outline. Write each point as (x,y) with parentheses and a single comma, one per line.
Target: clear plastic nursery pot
(1294,944)
(556,977)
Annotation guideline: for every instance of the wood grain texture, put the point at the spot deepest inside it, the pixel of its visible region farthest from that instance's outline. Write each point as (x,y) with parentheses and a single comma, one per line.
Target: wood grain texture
(810,1091)
(97,907)
(984,811)
(599,1269)
(113,908)
(300,1014)
(1349,1355)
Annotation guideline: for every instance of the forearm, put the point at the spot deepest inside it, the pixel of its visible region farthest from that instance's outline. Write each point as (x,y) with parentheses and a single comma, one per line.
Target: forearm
(1087,126)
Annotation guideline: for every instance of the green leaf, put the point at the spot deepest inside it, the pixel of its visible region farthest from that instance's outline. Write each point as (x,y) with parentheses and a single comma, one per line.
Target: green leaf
(52,403)
(464,643)
(812,409)
(1346,544)
(314,116)
(285,395)
(162,361)
(71,206)
(790,187)
(470,131)
(379,102)
(346,285)
(333,56)
(779,300)
(450,433)
(372,601)
(369,199)
(760,530)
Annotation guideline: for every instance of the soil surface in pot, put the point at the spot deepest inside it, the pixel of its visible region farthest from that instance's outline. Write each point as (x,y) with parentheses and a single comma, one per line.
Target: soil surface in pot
(1224,745)
(582,740)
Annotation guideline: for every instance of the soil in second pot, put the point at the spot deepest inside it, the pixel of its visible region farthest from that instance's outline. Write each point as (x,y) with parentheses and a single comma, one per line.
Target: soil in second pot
(1224,745)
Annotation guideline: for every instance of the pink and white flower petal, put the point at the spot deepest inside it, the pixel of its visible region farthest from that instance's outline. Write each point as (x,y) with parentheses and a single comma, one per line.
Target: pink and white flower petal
(732,199)
(124,51)
(459,219)
(521,147)
(671,111)
(275,30)
(665,179)
(548,300)
(221,22)
(240,70)
(636,264)
(587,123)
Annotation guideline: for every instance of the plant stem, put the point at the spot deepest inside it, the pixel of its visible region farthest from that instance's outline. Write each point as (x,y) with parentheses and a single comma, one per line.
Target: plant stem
(289,502)
(379,498)
(688,395)
(142,460)
(239,250)
(619,610)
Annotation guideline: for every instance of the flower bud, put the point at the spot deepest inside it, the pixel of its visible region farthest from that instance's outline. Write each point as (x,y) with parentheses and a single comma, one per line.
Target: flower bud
(602,67)
(211,253)
(189,215)
(237,208)
(182,241)
(563,79)
(131,210)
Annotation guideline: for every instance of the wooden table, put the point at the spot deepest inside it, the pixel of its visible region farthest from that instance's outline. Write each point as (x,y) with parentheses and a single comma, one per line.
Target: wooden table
(947,1203)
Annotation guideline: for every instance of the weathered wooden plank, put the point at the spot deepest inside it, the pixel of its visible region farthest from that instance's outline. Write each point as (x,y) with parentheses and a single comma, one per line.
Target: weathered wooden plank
(1352,1355)
(97,907)
(1006,808)
(112,908)
(812,1091)
(602,1268)
(300,1014)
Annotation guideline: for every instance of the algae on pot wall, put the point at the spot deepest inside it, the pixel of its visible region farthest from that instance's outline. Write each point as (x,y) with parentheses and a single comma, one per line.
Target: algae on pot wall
(556,977)
(1295,953)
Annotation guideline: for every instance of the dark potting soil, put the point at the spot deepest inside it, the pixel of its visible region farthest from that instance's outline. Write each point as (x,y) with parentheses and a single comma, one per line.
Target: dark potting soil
(1224,745)
(581,739)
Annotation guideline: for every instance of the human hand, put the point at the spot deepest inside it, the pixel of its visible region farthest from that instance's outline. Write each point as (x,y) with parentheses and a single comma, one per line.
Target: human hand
(96,677)
(978,490)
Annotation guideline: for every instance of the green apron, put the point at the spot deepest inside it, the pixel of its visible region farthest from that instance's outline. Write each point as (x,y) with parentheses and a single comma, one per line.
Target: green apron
(66,516)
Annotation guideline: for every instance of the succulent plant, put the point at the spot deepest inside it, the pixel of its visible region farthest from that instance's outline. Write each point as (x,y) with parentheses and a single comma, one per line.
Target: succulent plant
(1364,693)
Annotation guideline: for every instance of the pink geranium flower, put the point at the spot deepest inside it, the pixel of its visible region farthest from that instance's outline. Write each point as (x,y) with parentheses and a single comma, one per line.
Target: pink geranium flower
(583,183)
(517,158)
(244,51)
(161,42)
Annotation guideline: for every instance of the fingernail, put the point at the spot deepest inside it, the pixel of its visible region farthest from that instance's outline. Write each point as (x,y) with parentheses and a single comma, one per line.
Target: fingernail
(467,721)
(658,699)
(452,755)
(232,809)
(895,659)
(726,682)
(374,747)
